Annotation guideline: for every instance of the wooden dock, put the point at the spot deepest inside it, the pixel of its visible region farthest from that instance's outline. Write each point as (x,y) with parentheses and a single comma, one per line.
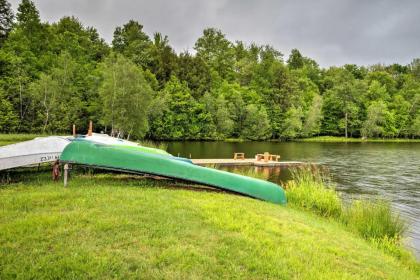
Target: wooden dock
(244,162)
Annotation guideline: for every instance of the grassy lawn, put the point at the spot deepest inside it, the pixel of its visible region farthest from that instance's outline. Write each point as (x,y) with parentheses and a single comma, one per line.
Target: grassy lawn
(343,139)
(120,226)
(7,139)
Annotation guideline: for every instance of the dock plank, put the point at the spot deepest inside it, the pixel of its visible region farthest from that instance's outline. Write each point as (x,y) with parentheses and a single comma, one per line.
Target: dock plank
(243,162)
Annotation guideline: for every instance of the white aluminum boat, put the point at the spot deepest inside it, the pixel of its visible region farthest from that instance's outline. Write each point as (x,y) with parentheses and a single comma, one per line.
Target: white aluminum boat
(36,151)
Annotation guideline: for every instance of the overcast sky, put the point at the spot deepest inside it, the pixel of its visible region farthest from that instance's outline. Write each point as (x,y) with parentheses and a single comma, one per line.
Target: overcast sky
(333,32)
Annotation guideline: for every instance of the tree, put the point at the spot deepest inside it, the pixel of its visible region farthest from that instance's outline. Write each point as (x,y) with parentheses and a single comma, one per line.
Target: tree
(415,127)
(163,59)
(180,117)
(295,60)
(217,52)
(28,17)
(8,118)
(312,124)
(219,109)
(195,72)
(377,91)
(376,119)
(131,41)
(125,95)
(292,123)
(342,103)
(6,20)
(46,92)
(256,125)
(415,68)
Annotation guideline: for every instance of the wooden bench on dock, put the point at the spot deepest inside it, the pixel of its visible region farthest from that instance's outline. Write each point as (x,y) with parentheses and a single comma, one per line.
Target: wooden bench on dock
(267,157)
(239,156)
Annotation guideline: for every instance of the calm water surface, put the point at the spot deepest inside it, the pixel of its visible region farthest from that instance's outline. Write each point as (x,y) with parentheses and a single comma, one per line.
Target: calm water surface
(387,170)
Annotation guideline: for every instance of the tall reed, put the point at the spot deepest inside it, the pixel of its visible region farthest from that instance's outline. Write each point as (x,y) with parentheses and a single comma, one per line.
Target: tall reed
(373,219)
(312,189)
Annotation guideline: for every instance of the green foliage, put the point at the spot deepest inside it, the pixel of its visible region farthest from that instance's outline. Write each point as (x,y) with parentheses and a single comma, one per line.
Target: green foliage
(217,52)
(337,139)
(6,19)
(125,97)
(218,107)
(311,189)
(8,119)
(373,219)
(52,76)
(292,125)
(312,124)
(131,41)
(256,125)
(177,115)
(295,60)
(376,118)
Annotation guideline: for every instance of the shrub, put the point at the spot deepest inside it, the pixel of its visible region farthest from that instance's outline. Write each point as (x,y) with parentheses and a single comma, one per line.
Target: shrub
(373,219)
(311,189)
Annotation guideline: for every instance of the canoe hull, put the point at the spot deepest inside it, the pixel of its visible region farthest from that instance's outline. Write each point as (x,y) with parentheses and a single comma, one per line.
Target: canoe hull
(36,151)
(120,158)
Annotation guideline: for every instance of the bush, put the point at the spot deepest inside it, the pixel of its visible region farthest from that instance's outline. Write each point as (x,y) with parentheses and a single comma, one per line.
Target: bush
(311,189)
(373,219)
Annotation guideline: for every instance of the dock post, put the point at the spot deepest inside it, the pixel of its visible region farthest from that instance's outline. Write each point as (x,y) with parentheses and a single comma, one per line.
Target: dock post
(66,174)
(90,128)
(74,130)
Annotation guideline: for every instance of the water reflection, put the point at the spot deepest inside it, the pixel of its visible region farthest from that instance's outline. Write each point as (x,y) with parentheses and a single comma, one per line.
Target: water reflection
(387,170)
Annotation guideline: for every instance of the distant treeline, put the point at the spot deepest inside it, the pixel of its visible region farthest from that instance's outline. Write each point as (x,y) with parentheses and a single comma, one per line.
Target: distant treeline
(53,75)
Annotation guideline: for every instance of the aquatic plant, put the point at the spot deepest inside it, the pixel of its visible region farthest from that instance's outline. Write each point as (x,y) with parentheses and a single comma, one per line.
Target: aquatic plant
(373,219)
(313,190)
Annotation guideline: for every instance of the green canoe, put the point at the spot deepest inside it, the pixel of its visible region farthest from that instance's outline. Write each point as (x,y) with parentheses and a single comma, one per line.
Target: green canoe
(120,158)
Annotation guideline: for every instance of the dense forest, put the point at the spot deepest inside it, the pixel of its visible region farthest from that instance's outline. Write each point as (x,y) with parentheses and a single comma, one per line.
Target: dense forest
(53,75)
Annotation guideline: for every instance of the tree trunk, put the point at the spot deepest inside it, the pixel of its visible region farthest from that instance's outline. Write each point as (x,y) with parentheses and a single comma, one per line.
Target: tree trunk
(21,100)
(346,125)
(46,121)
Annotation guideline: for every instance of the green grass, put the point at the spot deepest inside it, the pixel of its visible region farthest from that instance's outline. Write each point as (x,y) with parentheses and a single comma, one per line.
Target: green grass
(343,139)
(7,139)
(374,219)
(311,190)
(118,226)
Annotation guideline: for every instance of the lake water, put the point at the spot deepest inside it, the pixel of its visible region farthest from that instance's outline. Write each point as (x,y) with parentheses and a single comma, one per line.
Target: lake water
(386,170)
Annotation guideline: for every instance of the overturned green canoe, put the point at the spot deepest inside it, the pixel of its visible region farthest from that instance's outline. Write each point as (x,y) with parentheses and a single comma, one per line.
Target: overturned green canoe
(120,158)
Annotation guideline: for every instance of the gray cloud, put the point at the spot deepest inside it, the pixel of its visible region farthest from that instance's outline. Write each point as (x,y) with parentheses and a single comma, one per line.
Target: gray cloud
(333,32)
